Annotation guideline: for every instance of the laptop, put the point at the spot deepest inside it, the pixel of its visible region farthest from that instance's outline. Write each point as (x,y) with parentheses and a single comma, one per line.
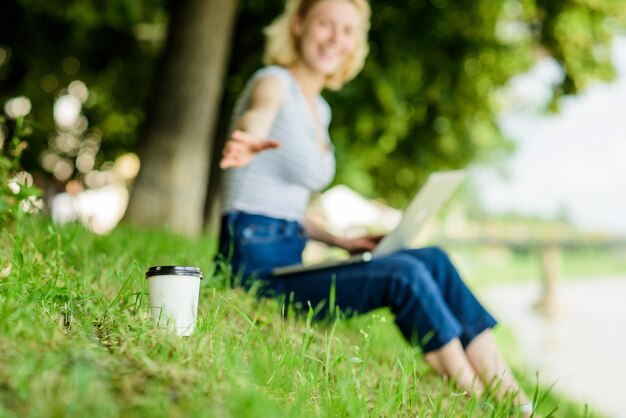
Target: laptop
(429,199)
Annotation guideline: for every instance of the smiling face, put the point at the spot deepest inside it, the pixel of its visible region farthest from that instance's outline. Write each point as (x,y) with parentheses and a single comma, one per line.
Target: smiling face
(327,35)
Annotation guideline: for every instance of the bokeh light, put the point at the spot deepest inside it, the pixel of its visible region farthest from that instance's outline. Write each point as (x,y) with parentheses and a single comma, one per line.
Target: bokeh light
(79,90)
(49,160)
(85,162)
(71,65)
(66,110)
(49,83)
(96,179)
(67,143)
(63,169)
(127,166)
(81,124)
(17,107)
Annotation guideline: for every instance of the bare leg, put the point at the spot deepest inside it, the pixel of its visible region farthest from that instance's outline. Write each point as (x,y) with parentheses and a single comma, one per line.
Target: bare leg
(450,360)
(489,364)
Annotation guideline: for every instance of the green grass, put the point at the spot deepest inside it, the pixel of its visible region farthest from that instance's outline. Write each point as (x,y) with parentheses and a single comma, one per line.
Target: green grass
(76,340)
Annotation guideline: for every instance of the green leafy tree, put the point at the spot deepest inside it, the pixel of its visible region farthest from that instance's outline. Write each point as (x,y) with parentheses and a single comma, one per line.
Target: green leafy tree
(425,100)
(426,97)
(117,49)
(109,46)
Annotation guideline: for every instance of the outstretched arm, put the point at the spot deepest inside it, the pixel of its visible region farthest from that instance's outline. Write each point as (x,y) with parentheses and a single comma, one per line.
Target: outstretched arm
(252,128)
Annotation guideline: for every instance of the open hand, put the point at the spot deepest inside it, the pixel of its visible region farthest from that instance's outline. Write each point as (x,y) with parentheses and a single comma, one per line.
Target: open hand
(242,147)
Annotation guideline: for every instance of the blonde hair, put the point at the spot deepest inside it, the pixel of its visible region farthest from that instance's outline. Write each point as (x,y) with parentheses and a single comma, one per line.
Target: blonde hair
(282,49)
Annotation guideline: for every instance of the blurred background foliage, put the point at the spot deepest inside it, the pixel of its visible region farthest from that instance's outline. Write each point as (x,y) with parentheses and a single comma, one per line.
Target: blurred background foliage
(111,47)
(426,99)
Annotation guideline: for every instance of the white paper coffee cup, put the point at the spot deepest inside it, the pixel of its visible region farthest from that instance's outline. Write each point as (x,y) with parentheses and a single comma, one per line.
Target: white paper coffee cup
(174,292)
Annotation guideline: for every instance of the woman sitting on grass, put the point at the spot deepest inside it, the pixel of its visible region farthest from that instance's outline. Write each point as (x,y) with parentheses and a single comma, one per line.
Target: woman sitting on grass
(316,44)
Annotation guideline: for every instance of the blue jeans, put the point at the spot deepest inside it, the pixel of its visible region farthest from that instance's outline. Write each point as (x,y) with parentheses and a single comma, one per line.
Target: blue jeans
(422,287)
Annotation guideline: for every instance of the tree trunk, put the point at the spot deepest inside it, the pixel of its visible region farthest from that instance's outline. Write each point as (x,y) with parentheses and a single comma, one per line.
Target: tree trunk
(212,216)
(176,139)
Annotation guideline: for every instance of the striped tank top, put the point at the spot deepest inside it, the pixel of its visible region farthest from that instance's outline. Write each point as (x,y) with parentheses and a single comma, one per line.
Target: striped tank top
(279,182)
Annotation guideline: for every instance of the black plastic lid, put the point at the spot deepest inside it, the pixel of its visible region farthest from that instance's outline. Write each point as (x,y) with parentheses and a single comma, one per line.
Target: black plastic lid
(174,270)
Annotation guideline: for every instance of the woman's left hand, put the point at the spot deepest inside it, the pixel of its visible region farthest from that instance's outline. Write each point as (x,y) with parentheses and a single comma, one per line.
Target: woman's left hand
(361,244)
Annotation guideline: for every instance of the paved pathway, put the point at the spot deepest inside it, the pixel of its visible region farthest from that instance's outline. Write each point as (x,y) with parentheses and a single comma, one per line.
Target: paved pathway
(582,349)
